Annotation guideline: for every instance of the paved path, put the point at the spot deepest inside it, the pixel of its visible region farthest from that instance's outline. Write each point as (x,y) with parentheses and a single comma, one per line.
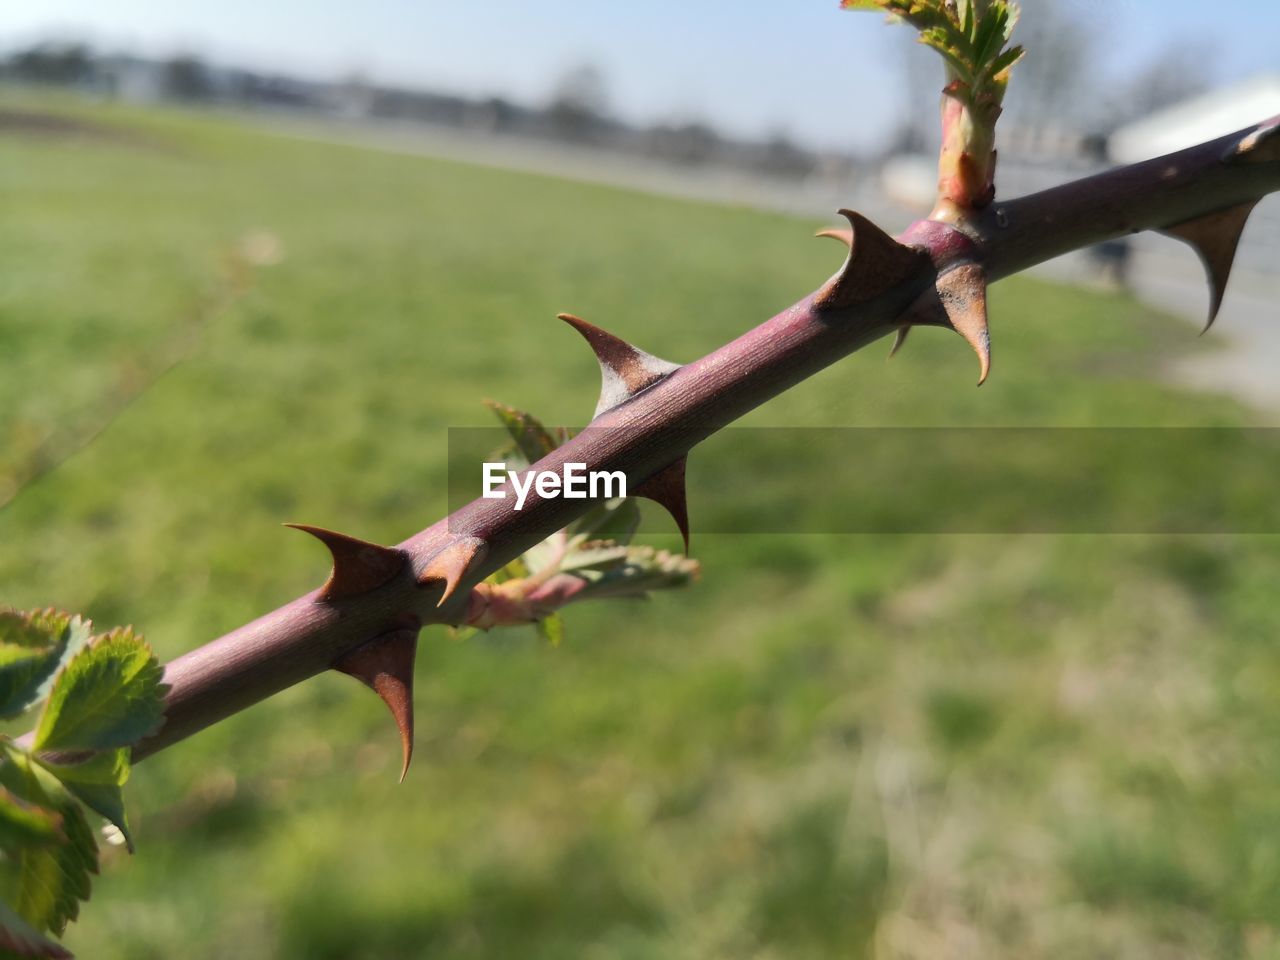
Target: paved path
(1248,327)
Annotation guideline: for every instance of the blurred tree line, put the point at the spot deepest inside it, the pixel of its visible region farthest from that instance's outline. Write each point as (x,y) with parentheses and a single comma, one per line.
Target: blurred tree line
(577,111)
(1067,94)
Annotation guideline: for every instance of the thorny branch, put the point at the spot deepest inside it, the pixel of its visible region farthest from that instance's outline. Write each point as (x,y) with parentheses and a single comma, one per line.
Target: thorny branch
(365,620)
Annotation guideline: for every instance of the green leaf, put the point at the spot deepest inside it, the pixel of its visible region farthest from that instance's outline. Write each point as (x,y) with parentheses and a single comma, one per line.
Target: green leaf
(940,40)
(593,555)
(644,569)
(545,553)
(18,938)
(969,36)
(32,645)
(1013,13)
(611,520)
(990,36)
(23,824)
(532,439)
(1006,60)
(517,569)
(96,783)
(551,629)
(108,695)
(46,883)
(109,767)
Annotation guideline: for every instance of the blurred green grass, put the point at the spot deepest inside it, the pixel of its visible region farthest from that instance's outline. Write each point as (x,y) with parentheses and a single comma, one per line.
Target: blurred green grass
(975,746)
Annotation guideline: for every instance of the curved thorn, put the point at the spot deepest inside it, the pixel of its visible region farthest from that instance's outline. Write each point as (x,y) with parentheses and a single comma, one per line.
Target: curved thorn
(835,233)
(385,666)
(451,565)
(876,263)
(625,370)
(899,339)
(962,291)
(358,566)
(1215,237)
(666,488)
(981,344)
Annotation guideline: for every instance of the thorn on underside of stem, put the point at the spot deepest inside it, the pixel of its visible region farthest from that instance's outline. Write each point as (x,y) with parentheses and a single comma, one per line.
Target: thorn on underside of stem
(385,666)
(958,298)
(667,489)
(1215,237)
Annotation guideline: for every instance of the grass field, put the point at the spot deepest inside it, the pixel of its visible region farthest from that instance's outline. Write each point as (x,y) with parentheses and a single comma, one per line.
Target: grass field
(834,746)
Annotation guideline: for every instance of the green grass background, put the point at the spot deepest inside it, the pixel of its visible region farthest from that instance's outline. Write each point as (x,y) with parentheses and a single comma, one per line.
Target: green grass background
(833,746)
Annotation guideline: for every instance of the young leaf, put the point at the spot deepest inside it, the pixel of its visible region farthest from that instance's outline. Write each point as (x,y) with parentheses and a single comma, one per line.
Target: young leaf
(990,31)
(644,569)
(23,824)
(546,553)
(593,555)
(1002,64)
(96,783)
(551,629)
(517,569)
(617,519)
(108,695)
(32,645)
(45,884)
(532,439)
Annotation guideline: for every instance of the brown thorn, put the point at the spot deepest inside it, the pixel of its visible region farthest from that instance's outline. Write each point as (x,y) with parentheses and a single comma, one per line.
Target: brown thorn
(625,370)
(358,566)
(899,339)
(666,488)
(875,265)
(1214,237)
(844,236)
(962,292)
(385,666)
(451,564)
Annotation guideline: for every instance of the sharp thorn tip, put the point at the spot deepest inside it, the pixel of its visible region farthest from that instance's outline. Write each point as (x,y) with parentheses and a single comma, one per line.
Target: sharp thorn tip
(875,263)
(451,565)
(625,370)
(1215,237)
(358,565)
(962,295)
(385,665)
(667,489)
(844,236)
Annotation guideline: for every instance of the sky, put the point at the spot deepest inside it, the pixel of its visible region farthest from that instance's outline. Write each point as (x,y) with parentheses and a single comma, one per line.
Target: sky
(754,67)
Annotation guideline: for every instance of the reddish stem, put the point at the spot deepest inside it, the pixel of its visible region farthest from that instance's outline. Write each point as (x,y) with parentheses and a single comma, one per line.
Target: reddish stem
(661,424)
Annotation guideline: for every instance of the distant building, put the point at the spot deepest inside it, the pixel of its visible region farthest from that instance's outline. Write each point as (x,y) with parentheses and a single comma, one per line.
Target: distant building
(1206,117)
(910,180)
(1213,114)
(132,79)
